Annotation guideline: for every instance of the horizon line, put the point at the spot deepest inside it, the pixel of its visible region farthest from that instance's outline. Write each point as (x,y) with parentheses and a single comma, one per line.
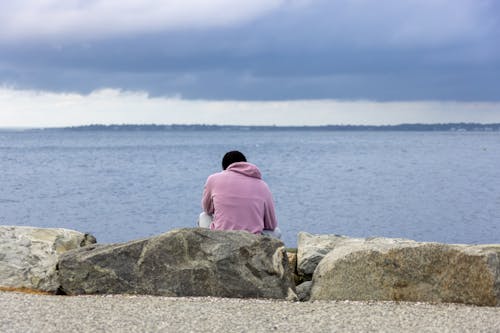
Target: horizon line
(447,124)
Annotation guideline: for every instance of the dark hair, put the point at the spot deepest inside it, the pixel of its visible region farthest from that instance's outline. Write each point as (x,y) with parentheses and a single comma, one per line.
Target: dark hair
(232,157)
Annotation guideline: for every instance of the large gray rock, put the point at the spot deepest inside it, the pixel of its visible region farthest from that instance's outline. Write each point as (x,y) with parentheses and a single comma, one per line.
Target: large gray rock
(185,262)
(405,270)
(28,256)
(311,249)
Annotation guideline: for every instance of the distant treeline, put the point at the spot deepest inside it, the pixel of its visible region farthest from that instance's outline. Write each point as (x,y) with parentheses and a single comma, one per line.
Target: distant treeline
(401,127)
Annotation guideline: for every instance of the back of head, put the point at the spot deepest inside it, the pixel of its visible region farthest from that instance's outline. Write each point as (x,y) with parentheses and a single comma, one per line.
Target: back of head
(232,157)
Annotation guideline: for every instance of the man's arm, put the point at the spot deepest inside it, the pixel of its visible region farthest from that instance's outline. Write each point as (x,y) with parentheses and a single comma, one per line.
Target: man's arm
(206,202)
(270,221)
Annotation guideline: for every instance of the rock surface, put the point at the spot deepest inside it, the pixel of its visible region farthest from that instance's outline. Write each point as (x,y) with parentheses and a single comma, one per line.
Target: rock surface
(185,262)
(292,263)
(405,270)
(304,291)
(311,249)
(28,256)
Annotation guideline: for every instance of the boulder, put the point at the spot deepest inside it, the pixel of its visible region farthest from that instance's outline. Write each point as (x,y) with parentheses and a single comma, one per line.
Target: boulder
(404,270)
(311,249)
(28,255)
(303,291)
(184,262)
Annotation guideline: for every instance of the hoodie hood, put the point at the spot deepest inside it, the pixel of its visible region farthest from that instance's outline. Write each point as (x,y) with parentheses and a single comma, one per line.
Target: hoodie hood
(245,168)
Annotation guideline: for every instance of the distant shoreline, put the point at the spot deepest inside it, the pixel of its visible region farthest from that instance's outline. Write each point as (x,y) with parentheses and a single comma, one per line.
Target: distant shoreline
(446,127)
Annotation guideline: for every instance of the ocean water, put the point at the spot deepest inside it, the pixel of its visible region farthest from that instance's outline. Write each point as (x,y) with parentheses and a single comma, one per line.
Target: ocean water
(119,186)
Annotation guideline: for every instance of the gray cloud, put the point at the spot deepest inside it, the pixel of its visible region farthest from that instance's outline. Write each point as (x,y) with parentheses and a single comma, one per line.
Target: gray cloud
(380,50)
(53,19)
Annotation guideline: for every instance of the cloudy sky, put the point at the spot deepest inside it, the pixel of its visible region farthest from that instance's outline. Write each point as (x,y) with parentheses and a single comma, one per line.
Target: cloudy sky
(284,62)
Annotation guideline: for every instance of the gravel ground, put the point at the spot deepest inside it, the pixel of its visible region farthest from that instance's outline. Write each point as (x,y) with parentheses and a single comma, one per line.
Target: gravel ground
(119,313)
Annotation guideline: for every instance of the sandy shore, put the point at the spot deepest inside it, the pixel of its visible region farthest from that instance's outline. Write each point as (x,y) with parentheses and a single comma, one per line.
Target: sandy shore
(40,313)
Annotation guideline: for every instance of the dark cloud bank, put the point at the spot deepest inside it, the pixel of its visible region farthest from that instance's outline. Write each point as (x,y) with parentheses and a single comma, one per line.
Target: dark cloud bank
(300,53)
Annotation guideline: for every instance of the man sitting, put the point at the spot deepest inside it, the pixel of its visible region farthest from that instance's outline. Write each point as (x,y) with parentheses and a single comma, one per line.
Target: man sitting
(238,199)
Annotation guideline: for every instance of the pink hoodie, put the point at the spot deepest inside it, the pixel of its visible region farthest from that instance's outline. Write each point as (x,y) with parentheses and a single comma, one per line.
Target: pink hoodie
(239,199)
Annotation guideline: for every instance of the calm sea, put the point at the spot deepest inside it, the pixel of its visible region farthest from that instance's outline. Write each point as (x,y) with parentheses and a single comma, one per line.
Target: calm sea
(119,186)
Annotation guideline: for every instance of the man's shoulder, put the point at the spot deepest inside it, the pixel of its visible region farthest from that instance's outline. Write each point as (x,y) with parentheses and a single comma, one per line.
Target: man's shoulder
(215,176)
